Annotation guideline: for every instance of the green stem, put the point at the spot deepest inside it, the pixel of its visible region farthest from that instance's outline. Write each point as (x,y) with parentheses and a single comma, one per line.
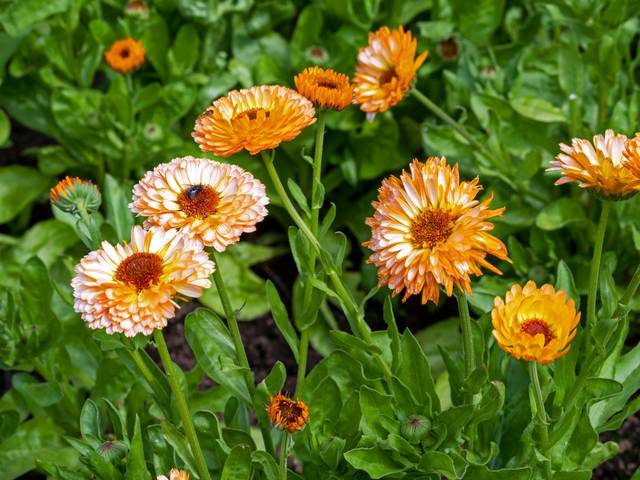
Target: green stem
(183,408)
(540,412)
(442,115)
(467,334)
(95,237)
(146,373)
(623,305)
(284,454)
(241,354)
(595,264)
(303,353)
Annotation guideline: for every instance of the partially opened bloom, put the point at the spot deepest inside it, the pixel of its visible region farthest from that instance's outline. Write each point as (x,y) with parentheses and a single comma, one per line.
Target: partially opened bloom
(254,119)
(325,88)
(73,193)
(130,288)
(210,201)
(125,55)
(599,165)
(386,69)
(534,324)
(428,229)
(288,414)
(175,474)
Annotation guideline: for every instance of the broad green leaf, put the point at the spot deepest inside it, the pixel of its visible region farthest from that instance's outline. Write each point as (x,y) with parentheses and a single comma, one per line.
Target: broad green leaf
(565,281)
(90,421)
(415,373)
(19,187)
(537,109)
(377,462)
(281,318)
(560,213)
(5,128)
(440,463)
(136,466)
(21,15)
(118,212)
(238,464)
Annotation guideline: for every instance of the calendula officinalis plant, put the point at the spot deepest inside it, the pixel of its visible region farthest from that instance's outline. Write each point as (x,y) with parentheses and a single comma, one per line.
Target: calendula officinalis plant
(376,179)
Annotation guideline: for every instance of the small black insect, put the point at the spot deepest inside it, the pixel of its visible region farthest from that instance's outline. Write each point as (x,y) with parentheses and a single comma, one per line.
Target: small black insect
(193,191)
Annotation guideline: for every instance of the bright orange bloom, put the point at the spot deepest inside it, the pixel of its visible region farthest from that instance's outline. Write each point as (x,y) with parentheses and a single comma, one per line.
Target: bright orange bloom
(210,201)
(70,192)
(175,474)
(325,88)
(599,165)
(386,69)
(125,55)
(287,414)
(632,155)
(130,287)
(534,324)
(255,119)
(429,230)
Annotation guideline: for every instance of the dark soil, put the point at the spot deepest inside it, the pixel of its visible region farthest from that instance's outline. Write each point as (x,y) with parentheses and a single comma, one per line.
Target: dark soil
(628,460)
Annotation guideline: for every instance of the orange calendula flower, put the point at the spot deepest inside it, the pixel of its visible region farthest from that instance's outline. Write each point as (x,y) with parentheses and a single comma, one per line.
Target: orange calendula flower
(210,201)
(125,55)
(175,474)
(429,230)
(599,165)
(287,414)
(255,119)
(73,193)
(130,288)
(632,155)
(534,324)
(325,88)
(386,69)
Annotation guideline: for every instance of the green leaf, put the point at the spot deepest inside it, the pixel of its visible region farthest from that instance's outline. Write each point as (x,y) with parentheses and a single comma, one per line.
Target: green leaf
(238,464)
(5,128)
(537,109)
(184,53)
(560,213)
(118,212)
(377,462)
(298,196)
(440,463)
(19,187)
(375,405)
(565,281)
(415,373)
(214,349)
(156,44)
(136,466)
(21,15)
(481,472)
(392,330)
(281,318)
(266,463)
(90,421)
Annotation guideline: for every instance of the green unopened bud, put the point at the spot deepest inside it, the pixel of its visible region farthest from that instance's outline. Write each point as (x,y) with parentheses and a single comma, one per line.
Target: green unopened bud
(72,195)
(152,131)
(316,54)
(112,450)
(415,428)
(137,8)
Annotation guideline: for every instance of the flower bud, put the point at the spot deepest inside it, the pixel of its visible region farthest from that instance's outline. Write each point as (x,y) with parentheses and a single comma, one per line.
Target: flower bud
(415,428)
(152,131)
(112,450)
(73,194)
(316,54)
(137,8)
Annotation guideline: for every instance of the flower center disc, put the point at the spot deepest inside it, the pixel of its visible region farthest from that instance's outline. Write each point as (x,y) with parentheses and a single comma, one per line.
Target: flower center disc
(199,201)
(327,84)
(387,76)
(430,228)
(124,53)
(290,411)
(536,327)
(140,270)
(254,113)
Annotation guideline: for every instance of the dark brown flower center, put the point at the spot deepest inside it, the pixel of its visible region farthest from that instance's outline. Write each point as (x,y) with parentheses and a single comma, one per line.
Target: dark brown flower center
(140,270)
(388,76)
(430,228)
(290,411)
(199,201)
(253,113)
(327,84)
(124,53)
(536,327)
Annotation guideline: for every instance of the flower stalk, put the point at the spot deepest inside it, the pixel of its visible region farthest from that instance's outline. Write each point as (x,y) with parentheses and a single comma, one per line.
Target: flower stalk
(467,334)
(540,412)
(284,455)
(595,264)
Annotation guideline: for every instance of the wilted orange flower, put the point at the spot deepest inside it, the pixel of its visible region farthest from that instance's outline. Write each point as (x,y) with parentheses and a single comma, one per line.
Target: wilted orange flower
(325,88)
(129,288)
(209,201)
(175,474)
(428,230)
(255,119)
(534,323)
(386,69)
(290,415)
(71,192)
(599,165)
(125,55)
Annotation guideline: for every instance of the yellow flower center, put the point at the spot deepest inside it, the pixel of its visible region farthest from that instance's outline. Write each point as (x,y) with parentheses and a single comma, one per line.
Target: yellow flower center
(199,201)
(430,228)
(253,113)
(140,270)
(537,327)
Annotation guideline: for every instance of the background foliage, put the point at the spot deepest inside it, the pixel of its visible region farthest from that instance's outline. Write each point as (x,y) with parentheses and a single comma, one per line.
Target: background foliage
(522,76)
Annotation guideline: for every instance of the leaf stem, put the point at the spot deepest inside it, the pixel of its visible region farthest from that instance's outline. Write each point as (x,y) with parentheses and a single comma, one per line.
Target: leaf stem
(595,264)
(181,402)
(540,412)
(467,338)
(284,454)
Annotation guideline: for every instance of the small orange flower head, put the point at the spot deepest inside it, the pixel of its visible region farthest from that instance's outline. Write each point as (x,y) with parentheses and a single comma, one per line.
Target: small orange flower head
(632,155)
(428,230)
(125,55)
(175,474)
(287,414)
(386,69)
(600,165)
(534,324)
(72,194)
(325,88)
(254,119)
